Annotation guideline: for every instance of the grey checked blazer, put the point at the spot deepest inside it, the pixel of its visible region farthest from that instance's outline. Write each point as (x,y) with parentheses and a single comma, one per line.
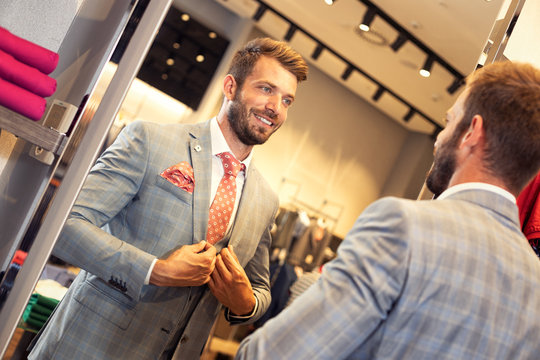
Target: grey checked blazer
(125,215)
(444,279)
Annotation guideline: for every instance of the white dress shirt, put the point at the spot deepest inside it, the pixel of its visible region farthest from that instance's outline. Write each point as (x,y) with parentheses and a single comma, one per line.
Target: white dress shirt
(477,186)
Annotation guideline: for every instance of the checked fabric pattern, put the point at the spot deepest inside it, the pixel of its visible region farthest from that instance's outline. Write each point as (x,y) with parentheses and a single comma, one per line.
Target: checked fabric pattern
(223,204)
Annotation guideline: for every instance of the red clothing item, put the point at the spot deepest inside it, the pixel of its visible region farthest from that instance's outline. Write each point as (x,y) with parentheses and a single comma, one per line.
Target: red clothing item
(25,76)
(529,211)
(27,52)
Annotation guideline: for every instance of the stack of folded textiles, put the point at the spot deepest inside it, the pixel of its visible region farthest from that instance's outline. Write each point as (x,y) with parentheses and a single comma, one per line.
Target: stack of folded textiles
(24,80)
(38,310)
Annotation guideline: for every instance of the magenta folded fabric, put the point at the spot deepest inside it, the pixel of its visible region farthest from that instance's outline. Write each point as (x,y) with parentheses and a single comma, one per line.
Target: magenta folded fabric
(27,52)
(26,76)
(21,100)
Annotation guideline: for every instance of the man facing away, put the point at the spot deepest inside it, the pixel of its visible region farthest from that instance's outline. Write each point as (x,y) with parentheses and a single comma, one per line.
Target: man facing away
(452,278)
(155,270)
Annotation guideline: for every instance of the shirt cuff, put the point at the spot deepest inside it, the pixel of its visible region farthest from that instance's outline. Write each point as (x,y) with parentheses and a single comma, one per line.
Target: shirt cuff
(240,318)
(147,279)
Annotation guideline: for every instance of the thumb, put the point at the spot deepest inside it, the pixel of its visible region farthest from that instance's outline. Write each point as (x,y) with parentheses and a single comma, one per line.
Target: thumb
(199,246)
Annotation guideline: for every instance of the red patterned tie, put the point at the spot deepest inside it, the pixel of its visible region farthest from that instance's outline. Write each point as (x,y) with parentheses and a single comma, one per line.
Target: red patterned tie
(223,204)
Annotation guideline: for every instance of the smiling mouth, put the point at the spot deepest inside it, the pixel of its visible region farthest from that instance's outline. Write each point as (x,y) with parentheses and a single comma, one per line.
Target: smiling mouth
(263,120)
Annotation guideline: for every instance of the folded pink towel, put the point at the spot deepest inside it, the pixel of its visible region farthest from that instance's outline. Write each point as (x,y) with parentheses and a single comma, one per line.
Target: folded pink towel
(21,101)
(29,53)
(26,76)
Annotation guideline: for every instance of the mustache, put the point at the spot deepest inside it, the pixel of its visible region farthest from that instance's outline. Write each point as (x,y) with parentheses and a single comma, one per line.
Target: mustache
(267,112)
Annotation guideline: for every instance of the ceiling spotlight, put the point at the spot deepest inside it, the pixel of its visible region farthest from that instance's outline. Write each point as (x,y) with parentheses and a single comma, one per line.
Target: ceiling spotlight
(199,58)
(260,12)
(317,52)
(425,71)
(170,61)
(185,17)
(368,19)
(378,94)
(212,35)
(290,32)
(348,71)
(176,45)
(409,115)
(399,42)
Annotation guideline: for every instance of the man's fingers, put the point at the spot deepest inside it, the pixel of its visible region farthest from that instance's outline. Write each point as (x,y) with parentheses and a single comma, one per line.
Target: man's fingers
(198,247)
(220,266)
(209,246)
(230,260)
(230,247)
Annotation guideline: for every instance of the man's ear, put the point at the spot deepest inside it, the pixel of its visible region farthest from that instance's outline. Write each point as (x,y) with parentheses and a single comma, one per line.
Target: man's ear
(474,133)
(229,87)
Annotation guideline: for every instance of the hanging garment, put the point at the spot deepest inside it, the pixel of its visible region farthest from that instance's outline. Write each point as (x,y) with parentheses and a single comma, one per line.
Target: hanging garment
(529,212)
(308,250)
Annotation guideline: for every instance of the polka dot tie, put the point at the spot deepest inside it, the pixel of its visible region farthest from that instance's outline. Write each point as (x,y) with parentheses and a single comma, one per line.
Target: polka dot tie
(223,204)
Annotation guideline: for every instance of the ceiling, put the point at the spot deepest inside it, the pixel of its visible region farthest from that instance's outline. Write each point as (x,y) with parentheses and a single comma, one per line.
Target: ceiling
(455,30)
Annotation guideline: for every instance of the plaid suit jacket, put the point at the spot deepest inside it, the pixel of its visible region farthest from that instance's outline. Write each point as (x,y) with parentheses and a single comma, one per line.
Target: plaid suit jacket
(127,214)
(445,279)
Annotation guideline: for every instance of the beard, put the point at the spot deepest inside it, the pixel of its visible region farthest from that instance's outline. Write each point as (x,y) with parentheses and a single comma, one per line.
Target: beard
(248,133)
(444,166)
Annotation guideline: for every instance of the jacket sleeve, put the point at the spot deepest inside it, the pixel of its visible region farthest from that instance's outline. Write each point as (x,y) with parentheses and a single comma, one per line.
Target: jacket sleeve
(111,184)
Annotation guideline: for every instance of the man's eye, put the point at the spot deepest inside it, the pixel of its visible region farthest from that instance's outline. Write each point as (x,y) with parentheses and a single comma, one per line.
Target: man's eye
(266,89)
(287,102)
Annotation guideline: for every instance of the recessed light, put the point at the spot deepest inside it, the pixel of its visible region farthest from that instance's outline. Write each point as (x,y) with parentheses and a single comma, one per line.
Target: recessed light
(363,27)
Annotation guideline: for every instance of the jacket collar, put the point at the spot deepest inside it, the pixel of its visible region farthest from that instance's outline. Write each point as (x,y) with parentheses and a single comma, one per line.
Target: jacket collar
(492,201)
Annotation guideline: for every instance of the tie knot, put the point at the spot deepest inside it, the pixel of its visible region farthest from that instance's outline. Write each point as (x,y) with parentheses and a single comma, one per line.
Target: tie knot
(230,164)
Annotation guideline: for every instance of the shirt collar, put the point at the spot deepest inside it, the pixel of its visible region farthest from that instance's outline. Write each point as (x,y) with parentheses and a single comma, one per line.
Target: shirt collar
(219,144)
(477,186)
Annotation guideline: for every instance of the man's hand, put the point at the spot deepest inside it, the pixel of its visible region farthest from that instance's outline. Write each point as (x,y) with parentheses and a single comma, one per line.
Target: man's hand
(191,265)
(230,284)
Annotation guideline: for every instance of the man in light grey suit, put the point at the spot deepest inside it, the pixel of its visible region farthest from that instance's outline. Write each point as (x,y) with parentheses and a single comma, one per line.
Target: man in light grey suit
(151,286)
(452,278)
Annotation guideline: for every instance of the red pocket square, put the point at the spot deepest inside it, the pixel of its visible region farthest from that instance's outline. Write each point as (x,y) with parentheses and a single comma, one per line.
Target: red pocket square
(180,175)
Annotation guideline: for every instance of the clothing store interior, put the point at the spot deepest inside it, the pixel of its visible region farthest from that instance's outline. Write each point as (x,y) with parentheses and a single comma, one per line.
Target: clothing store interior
(382,75)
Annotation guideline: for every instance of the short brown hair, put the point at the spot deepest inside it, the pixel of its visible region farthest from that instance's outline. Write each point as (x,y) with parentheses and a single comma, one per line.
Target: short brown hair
(507,96)
(245,59)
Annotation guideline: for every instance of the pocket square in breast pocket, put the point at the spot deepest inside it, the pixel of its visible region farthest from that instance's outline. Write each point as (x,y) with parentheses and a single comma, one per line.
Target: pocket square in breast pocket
(180,175)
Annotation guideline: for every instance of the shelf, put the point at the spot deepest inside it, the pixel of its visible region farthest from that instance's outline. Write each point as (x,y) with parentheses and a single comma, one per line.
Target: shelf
(46,138)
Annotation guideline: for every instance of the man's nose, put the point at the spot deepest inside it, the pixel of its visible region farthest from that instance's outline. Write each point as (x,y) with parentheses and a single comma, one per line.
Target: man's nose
(274,104)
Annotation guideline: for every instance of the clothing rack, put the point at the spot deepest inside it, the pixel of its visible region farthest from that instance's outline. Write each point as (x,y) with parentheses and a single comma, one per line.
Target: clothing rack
(317,212)
(313,211)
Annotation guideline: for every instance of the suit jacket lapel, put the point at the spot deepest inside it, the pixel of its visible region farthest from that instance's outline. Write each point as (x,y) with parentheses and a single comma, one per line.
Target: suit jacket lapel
(201,157)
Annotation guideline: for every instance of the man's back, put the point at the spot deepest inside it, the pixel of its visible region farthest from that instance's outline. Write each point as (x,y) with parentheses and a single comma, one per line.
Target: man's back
(451,279)
(471,287)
